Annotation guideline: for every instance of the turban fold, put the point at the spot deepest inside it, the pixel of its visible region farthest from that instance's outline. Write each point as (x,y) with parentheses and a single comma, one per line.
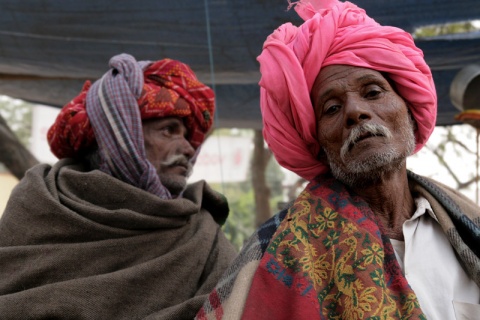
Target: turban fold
(334,32)
(170,88)
(108,114)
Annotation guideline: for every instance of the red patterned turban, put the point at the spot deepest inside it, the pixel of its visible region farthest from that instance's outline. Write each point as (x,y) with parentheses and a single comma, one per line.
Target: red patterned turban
(170,89)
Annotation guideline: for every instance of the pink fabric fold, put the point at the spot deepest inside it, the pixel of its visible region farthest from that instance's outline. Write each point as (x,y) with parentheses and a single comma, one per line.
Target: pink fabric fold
(334,32)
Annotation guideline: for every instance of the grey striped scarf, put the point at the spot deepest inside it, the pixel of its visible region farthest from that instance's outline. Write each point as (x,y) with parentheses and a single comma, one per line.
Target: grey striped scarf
(115,117)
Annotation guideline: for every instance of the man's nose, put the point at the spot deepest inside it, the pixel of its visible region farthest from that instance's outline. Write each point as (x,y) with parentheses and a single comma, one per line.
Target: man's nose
(186,148)
(356,111)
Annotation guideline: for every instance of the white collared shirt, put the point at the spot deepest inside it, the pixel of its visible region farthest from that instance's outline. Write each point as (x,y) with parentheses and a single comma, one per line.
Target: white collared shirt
(431,267)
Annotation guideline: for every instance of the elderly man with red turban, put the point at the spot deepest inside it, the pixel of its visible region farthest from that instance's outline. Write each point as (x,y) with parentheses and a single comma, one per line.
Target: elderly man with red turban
(112,231)
(344,102)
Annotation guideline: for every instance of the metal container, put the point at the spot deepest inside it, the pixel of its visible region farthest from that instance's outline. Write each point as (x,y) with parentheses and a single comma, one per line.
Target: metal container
(465,88)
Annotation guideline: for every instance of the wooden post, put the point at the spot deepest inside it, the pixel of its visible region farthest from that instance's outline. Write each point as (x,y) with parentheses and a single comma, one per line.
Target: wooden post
(261,191)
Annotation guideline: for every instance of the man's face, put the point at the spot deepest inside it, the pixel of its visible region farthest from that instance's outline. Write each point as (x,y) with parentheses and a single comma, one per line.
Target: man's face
(363,125)
(169,151)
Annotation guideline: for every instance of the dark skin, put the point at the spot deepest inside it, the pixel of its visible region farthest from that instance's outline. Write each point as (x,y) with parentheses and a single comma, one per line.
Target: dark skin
(164,138)
(345,97)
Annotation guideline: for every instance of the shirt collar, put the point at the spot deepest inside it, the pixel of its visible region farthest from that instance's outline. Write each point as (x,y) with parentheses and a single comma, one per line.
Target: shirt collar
(423,206)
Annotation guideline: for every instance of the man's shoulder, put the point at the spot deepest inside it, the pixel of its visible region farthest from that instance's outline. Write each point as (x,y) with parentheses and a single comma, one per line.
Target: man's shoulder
(211,200)
(441,194)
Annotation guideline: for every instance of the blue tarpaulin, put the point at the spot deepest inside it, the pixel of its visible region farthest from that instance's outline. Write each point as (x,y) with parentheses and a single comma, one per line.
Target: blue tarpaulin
(49,48)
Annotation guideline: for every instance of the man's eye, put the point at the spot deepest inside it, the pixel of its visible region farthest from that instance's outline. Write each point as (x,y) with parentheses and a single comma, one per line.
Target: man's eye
(373,91)
(372,94)
(168,130)
(332,109)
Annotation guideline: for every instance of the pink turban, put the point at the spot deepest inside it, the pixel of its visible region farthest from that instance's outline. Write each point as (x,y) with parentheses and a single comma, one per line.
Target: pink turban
(333,33)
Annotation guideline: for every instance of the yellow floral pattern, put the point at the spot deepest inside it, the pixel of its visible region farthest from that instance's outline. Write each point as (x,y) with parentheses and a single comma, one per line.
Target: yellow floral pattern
(343,261)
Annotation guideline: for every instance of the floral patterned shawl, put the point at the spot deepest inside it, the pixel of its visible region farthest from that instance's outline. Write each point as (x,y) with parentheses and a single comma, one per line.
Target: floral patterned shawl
(327,258)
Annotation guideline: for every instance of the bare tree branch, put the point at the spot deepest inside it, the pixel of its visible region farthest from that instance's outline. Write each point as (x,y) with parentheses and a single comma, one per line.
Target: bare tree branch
(444,163)
(467,183)
(460,185)
(453,139)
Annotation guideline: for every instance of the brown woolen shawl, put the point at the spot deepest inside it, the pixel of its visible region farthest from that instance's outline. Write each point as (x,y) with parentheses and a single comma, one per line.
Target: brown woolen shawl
(84,245)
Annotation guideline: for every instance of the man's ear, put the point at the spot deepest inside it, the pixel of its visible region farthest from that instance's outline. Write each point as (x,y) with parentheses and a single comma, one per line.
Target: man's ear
(412,119)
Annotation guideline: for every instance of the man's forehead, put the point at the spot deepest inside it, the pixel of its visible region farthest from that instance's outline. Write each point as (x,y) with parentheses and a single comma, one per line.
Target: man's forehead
(335,72)
(172,119)
(331,76)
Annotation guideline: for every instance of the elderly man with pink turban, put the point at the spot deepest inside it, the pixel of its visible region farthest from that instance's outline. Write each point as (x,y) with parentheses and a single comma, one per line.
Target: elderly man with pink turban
(112,231)
(344,101)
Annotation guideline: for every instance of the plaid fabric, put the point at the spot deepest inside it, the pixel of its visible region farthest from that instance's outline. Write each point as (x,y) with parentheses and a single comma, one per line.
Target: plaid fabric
(228,297)
(115,118)
(327,258)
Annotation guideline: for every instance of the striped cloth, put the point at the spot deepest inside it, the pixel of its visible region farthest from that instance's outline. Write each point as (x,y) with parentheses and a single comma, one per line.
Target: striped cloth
(279,274)
(115,118)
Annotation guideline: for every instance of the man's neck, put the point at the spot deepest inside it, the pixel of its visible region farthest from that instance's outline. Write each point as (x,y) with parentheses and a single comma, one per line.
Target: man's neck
(390,200)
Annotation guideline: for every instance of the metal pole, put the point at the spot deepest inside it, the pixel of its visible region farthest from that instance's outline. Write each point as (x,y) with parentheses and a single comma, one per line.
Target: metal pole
(477,165)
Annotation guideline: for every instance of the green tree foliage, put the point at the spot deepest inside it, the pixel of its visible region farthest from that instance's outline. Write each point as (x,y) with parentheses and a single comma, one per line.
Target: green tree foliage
(241,220)
(444,29)
(18,115)
(240,224)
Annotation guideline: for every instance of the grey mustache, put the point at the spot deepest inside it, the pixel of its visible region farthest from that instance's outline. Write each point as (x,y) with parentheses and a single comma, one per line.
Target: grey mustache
(358,132)
(178,160)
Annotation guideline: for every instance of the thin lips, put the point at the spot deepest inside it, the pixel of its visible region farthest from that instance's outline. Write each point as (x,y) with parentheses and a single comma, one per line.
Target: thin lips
(180,164)
(364,136)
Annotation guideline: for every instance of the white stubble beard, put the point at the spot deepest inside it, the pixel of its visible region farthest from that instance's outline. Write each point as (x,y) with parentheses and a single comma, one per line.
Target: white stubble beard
(353,172)
(175,183)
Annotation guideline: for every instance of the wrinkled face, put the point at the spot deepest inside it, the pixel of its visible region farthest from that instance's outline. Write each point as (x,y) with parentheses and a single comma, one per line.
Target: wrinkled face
(169,151)
(363,125)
